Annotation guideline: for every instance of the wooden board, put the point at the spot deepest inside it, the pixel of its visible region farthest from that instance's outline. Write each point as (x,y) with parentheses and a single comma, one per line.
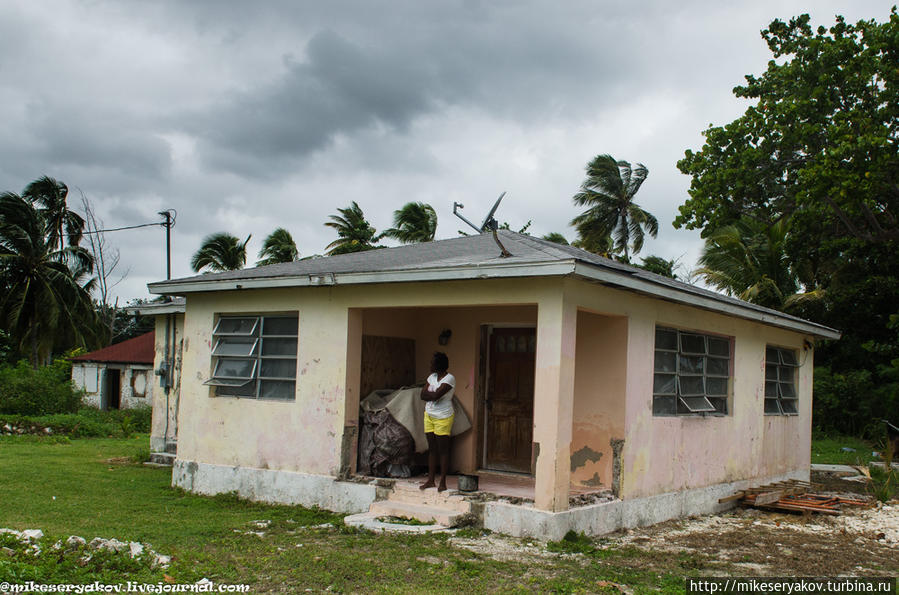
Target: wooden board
(387,362)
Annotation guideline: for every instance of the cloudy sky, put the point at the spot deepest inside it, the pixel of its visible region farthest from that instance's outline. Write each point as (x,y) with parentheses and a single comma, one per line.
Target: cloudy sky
(246,116)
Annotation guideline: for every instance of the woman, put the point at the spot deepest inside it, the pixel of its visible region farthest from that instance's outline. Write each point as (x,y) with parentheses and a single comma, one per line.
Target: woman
(438,394)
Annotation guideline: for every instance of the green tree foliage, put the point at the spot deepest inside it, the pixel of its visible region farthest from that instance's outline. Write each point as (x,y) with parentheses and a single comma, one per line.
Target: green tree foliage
(414,222)
(817,152)
(25,390)
(609,191)
(556,238)
(818,144)
(220,252)
(354,232)
(748,259)
(278,247)
(62,223)
(659,266)
(45,286)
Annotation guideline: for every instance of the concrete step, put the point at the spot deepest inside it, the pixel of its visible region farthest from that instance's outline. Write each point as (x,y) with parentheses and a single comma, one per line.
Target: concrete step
(162,458)
(425,514)
(368,520)
(410,494)
(171,447)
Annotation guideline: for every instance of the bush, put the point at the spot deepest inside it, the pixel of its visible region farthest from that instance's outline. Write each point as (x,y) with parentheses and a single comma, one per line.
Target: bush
(852,403)
(47,390)
(88,422)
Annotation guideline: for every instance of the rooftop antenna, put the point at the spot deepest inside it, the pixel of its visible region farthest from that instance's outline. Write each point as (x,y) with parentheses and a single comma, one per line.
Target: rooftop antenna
(489,223)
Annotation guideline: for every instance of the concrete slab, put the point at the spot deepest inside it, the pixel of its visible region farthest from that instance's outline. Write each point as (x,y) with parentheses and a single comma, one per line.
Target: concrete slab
(369,521)
(420,512)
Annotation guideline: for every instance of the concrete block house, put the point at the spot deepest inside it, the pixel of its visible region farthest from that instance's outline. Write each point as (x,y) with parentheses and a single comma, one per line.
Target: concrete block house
(579,373)
(119,376)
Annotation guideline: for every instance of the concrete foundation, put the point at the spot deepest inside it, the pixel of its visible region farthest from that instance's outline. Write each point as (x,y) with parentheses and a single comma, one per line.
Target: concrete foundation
(275,487)
(597,519)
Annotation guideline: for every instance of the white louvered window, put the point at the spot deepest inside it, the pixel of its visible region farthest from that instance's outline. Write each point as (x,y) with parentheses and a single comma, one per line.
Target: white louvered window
(255,357)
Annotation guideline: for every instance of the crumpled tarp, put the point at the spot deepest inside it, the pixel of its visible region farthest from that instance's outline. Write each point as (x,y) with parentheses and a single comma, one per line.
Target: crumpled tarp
(385,447)
(407,408)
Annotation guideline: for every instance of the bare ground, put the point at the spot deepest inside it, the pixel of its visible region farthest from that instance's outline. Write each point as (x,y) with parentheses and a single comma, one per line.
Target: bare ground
(861,541)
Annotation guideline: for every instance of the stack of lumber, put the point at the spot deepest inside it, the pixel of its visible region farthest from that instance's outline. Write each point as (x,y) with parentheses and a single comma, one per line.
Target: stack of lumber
(791,496)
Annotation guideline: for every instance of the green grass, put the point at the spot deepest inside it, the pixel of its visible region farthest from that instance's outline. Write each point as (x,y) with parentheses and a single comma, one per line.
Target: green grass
(829,450)
(92,487)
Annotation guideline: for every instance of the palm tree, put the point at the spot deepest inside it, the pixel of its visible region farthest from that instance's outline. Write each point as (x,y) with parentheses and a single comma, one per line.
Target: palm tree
(749,260)
(659,266)
(220,252)
(556,238)
(354,233)
(62,223)
(609,192)
(42,298)
(415,222)
(278,247)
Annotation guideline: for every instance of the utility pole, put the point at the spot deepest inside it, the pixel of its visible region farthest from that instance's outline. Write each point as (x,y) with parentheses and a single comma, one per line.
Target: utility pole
(167,216)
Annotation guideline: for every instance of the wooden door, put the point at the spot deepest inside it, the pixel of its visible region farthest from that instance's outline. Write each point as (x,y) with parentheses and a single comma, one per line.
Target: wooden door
(510,399)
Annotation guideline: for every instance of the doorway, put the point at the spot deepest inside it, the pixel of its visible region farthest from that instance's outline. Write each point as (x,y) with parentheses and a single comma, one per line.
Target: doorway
(113,389)
(509,399)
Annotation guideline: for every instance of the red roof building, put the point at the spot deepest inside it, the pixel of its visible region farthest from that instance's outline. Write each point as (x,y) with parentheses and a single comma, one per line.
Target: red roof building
(139,350)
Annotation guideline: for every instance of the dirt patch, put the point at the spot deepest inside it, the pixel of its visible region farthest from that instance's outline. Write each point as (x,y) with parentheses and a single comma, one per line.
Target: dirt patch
(743,542)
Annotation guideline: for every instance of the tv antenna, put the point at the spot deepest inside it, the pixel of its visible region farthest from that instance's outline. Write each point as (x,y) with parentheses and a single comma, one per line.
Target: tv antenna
(489,223)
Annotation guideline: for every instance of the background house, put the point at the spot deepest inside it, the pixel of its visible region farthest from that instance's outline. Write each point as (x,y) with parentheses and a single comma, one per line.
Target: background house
(119,376)
(578,372)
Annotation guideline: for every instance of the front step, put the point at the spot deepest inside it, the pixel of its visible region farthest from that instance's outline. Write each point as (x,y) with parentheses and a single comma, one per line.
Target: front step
(421,512)
(408,493)
(162,458)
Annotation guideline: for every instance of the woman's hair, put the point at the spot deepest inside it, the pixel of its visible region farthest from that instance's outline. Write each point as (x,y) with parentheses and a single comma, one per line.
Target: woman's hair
(441,362)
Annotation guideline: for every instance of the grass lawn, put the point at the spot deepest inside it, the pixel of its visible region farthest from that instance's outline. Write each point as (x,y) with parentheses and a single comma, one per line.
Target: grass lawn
(92,487)
(829,450)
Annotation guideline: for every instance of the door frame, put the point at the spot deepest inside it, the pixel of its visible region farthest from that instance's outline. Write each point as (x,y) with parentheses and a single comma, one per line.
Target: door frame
(486,330)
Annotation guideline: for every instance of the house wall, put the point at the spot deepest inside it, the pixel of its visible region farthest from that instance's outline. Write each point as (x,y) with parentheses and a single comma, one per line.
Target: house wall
(135,387)
(164,426)
(667,454)
(599,397)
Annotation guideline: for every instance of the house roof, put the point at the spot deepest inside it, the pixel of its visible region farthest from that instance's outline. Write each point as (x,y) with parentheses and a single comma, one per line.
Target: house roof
(139,350)
(478,257)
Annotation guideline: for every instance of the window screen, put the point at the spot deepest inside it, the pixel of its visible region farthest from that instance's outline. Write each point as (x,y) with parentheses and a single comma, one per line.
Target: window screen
(691,373)
(780,382)
(255,356)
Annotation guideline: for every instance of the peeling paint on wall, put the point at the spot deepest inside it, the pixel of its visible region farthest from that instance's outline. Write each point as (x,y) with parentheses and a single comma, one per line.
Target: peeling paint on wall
(593,482)
(583,456)
(617,446)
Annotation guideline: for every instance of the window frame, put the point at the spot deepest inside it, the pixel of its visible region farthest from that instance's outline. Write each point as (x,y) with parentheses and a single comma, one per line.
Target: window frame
(253,384)
(782,369)
(687,382)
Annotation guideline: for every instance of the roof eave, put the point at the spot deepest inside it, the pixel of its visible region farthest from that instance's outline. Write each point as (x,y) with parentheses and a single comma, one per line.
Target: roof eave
(488,271)
(605,276)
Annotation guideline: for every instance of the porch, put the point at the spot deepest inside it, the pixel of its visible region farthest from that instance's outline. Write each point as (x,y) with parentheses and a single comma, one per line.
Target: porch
(542,383)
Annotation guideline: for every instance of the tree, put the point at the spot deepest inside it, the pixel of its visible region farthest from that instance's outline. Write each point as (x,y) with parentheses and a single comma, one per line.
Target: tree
(220,252)
(278,247)
(609,192)
(556,238)
(62,223)
(660,266)
(42,298)
(415,222)
(819,143)
(354,233)
(749,260)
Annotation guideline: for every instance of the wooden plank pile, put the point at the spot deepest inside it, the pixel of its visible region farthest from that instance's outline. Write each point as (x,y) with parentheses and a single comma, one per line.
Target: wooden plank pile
(791,496)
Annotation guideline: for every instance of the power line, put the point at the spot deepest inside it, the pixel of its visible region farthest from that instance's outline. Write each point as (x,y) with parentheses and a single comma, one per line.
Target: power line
(160,224)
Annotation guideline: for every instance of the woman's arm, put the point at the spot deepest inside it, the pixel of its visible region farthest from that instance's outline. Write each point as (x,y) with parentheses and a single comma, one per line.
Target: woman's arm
(428,395)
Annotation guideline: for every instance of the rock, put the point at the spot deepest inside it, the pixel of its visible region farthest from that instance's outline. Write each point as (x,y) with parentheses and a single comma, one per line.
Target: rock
(114,545)
(31,534)
(97,543)
(262,524)
(75,541)
(7,428)
(12,532)
(135,549)
(48,430)
(161,561)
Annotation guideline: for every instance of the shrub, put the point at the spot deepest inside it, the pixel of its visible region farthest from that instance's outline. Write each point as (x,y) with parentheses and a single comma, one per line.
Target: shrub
(88,422)
(46,390)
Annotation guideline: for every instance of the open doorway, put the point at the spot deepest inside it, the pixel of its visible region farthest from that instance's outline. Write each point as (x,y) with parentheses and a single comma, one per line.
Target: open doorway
(509,399)
(112,389)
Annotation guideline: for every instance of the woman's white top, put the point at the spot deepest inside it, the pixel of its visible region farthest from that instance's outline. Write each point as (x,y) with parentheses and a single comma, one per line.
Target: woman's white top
(442,407)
